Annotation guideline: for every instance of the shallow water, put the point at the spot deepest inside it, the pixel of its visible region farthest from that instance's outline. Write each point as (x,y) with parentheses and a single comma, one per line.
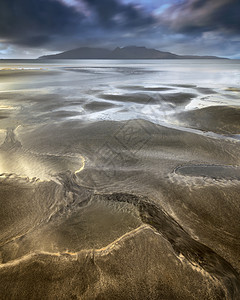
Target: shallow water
(120,179)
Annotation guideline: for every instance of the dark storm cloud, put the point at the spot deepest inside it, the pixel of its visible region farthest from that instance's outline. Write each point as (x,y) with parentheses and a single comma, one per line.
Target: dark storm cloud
(33,22)
(44,22)
(115,13)
(196,16)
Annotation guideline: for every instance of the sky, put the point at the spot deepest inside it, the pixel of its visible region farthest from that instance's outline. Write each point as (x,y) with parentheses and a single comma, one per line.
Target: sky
(31,28)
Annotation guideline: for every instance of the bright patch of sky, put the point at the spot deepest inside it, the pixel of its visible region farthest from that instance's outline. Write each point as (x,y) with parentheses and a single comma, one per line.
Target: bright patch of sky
(148,5)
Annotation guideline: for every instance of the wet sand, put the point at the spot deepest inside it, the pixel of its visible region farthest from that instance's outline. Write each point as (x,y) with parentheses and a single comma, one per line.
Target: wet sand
(114,190)
(219,119)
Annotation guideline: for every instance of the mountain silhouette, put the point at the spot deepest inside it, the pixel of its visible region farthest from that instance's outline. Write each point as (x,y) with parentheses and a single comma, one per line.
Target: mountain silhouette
(129,52)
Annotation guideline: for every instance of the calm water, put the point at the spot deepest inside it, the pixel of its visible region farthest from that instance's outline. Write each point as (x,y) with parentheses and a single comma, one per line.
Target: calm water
(119,179)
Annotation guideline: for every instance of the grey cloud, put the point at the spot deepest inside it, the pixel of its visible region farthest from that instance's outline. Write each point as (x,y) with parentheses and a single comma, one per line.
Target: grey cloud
(115,13)
(37,23)
(33,22)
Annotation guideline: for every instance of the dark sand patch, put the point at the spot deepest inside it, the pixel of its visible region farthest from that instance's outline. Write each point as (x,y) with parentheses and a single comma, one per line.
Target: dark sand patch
(93,91)
(219,119)
(4,115)
(184,85)
(135,98)
(61,114)
(178,98)
(142,88)
(156,89)
(98,106)
(205,91)
(84,71)
(211,171)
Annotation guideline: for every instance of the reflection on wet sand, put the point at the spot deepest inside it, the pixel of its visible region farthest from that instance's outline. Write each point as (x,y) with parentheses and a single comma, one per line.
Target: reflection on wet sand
(112,189)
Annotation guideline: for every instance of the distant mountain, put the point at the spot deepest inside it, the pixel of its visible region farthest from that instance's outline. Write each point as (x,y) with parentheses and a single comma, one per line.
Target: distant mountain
(133,52)
(81,53)
(130,52)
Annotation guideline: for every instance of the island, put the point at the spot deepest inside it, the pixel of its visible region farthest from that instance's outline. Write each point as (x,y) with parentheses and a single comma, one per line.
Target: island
(129,52)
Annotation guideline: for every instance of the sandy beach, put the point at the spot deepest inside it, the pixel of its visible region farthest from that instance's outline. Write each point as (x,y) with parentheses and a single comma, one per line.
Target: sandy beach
(119,180)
